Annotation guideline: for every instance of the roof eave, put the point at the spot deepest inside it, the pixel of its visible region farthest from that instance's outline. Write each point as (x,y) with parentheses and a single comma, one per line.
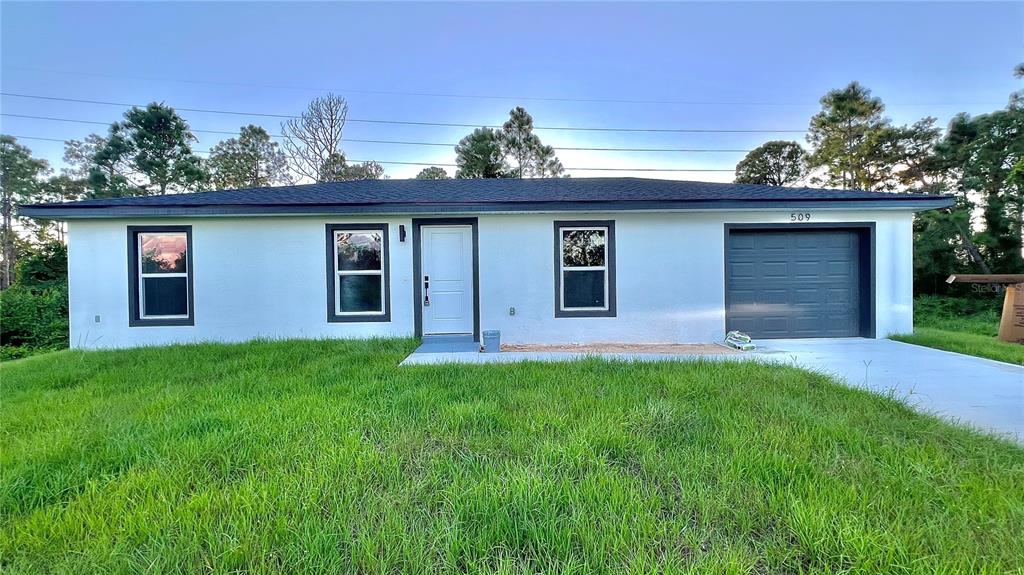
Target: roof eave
(65,212)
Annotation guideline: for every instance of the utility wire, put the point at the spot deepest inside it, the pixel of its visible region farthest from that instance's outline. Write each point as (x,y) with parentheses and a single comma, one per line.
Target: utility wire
(456,165)
(412,123)
(400,142)
(462,96)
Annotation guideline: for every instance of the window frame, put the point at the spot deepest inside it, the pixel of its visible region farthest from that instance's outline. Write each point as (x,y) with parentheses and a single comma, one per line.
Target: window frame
(135,279)
(609,309)
(335,316)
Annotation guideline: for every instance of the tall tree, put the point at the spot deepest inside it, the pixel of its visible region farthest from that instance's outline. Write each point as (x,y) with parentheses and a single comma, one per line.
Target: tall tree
(1017,98)
(337,169)
(252,160)
(157,143)
(313,140)
(840,135)
(519,140)
(432,173)
(110,171)
(941,247)
(364,171)
(775,163)
(904,156)
(114,176)
(530,157)
(481,155)
(62,188)
(79,155)
(546,163)
(20,182)
(980,154)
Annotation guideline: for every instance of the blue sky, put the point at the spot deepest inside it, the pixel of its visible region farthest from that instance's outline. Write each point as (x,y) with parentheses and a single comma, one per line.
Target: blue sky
(722,66)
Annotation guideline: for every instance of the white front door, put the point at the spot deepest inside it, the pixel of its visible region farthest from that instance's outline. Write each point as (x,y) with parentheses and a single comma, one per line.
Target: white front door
(447,280)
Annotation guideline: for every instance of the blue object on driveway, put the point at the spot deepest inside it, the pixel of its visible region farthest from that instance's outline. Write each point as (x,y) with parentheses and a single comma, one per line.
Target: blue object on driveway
(492,341)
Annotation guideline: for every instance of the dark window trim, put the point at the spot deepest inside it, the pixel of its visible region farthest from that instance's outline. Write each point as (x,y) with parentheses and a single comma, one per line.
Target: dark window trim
(135,318)
(609,264)
(385,262)
(867,263)
(417,267)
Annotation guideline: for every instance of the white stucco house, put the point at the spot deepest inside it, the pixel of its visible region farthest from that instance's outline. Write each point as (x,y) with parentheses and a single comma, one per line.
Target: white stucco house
(544,261)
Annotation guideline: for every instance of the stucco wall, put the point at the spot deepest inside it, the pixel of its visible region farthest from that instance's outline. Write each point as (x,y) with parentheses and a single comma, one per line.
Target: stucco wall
(266,277)
(670,276)
(253,277)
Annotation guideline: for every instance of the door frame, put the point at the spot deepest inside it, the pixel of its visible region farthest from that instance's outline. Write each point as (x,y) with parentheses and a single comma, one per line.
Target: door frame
(866,230)
(417,268)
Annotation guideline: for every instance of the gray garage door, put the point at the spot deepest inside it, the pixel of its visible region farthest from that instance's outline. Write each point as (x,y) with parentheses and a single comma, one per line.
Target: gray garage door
(788,283)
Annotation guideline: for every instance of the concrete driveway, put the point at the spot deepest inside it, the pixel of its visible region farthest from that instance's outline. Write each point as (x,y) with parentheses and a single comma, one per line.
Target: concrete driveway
(980,392)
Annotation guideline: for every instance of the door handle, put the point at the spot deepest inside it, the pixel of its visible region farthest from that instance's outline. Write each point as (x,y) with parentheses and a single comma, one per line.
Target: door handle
(426,291)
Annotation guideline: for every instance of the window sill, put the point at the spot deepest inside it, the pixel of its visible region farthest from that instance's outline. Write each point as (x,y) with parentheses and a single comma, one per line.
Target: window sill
(167,322)
(559,313)
(369,318)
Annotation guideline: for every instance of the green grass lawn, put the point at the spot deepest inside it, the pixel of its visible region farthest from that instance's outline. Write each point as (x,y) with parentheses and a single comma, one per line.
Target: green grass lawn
(963,325)
(323,456)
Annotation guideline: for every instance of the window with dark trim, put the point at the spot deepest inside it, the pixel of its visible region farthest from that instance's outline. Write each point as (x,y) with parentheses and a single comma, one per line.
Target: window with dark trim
(357,273)
(585,268)
(160,276)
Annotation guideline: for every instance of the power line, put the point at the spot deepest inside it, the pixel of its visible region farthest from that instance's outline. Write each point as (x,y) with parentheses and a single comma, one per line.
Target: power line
(399,142)
(456,165)
(413,123)
(467,96)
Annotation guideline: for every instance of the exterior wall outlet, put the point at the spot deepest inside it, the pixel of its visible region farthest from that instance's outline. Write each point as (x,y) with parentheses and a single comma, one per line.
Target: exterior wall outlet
(97,319)
(512,310)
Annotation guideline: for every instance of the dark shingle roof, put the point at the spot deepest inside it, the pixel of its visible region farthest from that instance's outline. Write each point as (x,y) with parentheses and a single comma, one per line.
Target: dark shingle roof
(410,196)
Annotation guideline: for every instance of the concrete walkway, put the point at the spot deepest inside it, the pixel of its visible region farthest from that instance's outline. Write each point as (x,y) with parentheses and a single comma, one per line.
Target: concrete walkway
(979,392)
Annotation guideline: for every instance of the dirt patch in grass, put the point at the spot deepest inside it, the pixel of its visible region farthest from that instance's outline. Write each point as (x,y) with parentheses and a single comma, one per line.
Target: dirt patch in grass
(677,348)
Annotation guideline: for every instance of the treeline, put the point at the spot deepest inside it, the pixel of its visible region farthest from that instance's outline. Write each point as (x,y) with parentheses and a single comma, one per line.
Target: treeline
(979,159)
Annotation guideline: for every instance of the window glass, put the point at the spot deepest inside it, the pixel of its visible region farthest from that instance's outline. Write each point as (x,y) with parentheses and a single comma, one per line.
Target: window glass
(583,248)
(360,293)
(164,296)
(163,253)
(359,251)
(583,289)
(585,268)
(358,278)
(160,276)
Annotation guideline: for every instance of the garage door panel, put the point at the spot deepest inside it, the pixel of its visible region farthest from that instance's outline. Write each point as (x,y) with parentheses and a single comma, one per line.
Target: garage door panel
(838,269)
(807,269)
(770,270)
(839,295)
(805,324)
(776,298)
(794,283)
(808,241)
(779,324)
(771,243)
(742,270)
(744,243)
(804,296)
(741,298)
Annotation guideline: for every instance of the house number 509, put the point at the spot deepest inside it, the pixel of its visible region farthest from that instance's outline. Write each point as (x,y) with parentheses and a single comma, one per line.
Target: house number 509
(800,216)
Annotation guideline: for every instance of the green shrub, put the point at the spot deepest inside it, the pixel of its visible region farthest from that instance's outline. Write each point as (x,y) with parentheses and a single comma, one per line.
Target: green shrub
(34,318)
(43,267)
(978,314)
(12,352)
